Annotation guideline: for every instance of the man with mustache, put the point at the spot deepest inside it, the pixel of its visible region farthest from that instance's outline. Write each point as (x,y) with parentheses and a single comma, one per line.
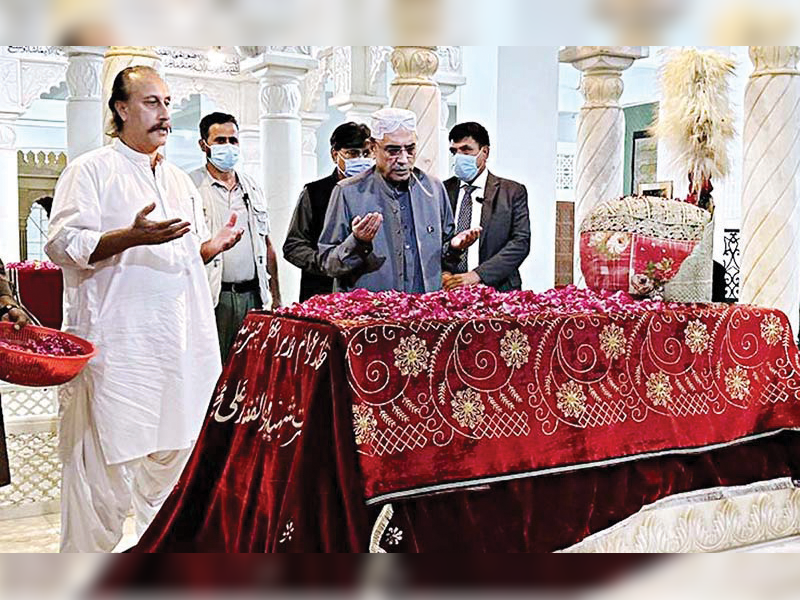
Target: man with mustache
(391,227)
(127,229)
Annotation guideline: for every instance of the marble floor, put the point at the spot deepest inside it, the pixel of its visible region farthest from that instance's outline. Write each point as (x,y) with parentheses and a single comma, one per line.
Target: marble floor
(41,534)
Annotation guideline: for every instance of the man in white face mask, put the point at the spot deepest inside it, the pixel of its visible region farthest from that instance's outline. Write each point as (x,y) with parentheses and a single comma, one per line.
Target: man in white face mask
(351,152)
(498,205)
(246,276)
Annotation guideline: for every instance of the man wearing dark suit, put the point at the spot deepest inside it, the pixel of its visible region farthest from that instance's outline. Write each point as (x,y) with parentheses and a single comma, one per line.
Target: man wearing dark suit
(352,155)
(499,206)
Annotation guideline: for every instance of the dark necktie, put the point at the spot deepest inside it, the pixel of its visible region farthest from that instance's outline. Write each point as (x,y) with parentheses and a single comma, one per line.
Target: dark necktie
(465,219)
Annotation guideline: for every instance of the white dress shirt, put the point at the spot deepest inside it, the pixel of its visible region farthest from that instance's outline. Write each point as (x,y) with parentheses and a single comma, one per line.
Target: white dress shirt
(480,187)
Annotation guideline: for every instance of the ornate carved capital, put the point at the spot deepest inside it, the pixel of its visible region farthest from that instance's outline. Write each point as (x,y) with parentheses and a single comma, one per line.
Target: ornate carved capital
(280,97)
(414,65)
(84,77)
(602,90)
(775,60)
(602,58)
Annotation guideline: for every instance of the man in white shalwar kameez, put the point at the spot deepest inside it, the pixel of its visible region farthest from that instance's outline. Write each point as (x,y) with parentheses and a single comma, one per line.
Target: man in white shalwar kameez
(127,228)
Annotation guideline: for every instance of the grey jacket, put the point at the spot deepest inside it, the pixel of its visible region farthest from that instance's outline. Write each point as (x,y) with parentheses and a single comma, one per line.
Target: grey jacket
(505,239)
(379,266)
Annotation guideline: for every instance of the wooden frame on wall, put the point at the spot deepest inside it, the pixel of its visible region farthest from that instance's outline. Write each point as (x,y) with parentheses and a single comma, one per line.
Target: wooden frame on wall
(659,189)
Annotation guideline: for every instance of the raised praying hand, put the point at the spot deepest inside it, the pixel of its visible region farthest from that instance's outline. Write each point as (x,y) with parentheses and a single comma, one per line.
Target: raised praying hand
(366,228)
(145,232)
(465,239)
(228,236)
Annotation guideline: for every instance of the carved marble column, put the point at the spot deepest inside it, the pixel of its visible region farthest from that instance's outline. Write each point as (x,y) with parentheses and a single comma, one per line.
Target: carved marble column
(601,127)
(313,111)
(250,130)
(414,88)
(9,191)
(449,77)
(85,101)
(280,74)
(116,59)
(10,110)
(770,271)
(311,123)
(359,80)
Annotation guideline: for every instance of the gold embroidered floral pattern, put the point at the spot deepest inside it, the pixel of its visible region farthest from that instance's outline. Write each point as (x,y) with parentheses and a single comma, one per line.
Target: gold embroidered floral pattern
(771,329)
(364,424)
(571,399)
(411,356)
(612,341)
(468,409)
(515,348)
(659,389)
(697,337)
(737,382)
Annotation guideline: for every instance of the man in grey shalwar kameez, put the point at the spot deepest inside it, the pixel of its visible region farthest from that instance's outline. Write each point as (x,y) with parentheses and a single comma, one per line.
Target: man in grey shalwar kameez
(391,227)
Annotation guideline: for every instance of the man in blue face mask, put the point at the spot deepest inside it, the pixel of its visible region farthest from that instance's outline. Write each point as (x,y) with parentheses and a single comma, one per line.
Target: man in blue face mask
(499,206)
(246,276)
(352,155)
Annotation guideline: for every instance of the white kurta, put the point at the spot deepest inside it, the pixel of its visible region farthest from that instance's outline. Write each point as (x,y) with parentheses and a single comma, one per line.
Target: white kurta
(147,309)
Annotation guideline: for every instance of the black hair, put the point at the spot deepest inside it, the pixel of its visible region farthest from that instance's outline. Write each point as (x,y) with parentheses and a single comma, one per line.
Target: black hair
(350,135)
(215,118)
(121,92)
(46,202)
(470,129)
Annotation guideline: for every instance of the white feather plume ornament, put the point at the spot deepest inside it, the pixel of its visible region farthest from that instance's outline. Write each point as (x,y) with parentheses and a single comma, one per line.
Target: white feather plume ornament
(696,118)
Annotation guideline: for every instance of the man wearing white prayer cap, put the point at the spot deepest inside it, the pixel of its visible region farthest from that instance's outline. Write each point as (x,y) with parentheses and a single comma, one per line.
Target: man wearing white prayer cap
(391,227)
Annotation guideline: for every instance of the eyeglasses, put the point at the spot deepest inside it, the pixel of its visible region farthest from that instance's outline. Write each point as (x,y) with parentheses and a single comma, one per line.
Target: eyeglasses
(396,151)
(356,152)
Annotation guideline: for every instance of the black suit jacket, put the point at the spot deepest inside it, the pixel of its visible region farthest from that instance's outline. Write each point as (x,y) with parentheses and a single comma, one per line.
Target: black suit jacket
(505,241)
(300,247)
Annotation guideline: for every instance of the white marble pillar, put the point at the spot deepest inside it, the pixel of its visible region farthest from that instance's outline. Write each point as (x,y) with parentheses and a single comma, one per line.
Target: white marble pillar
(250,130)
(601,127)
(770,267)
(280,74)
(450,77)
(116,59)
(359,80)
(85,101)
(313,111)
(414,88)
(9,190)
(10,110)
(311,122)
